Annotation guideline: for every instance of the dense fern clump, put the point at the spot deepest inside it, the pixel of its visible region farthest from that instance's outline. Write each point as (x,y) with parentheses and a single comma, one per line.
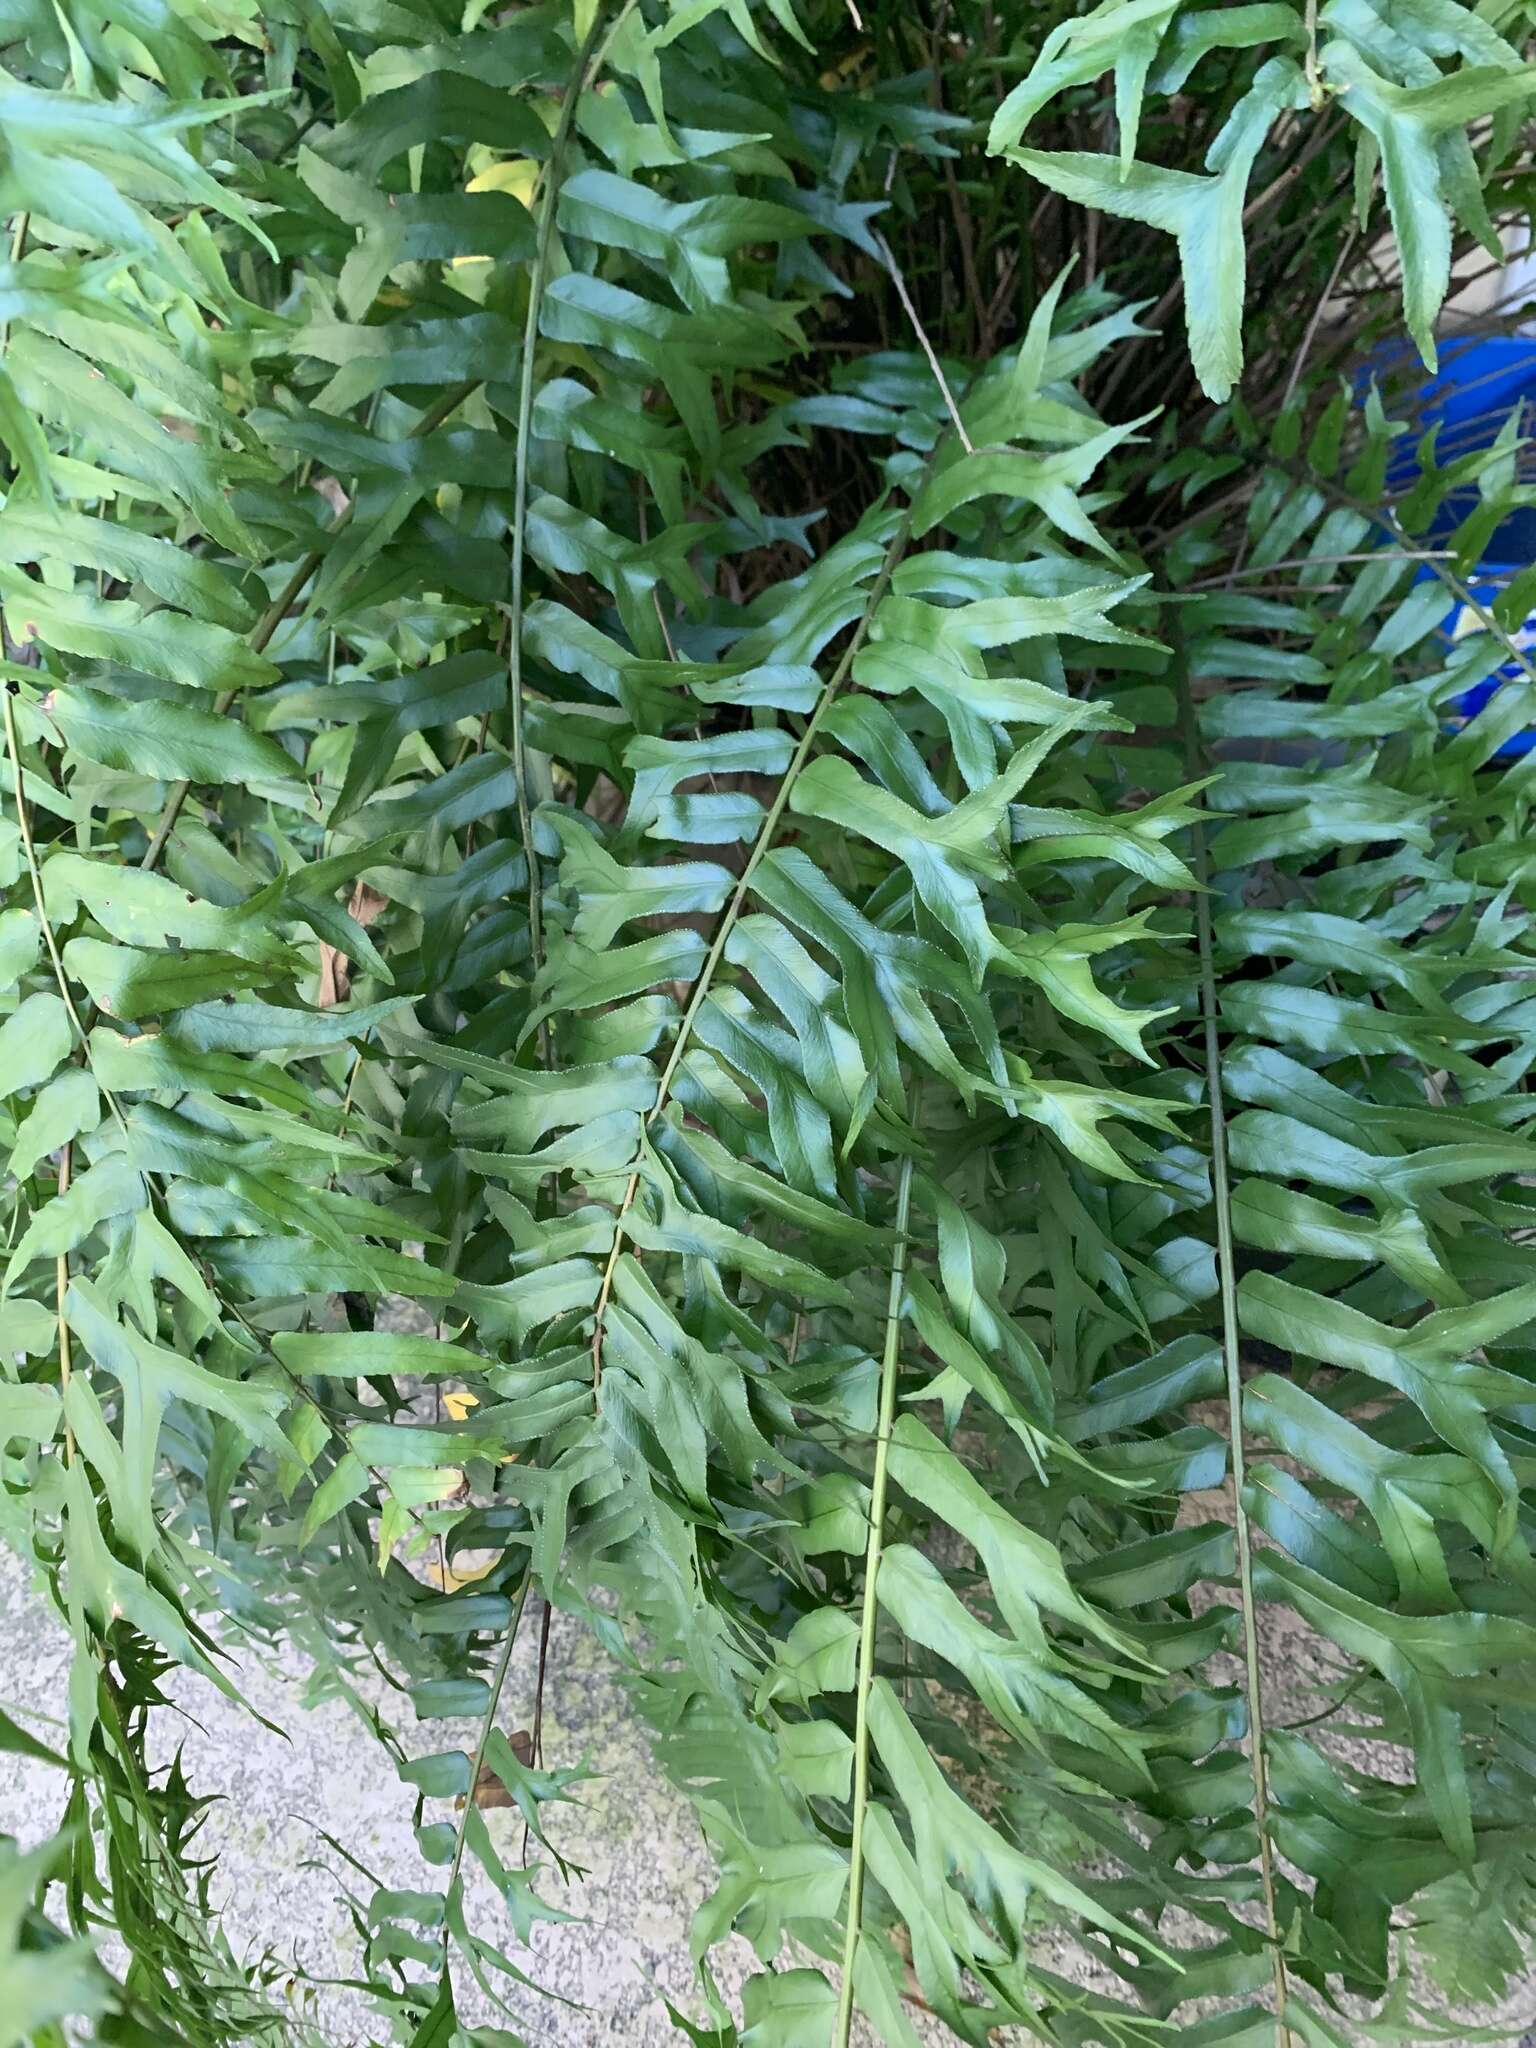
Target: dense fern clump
(727,904)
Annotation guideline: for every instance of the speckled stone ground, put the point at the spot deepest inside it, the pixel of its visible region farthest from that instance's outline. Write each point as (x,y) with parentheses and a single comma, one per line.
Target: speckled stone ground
(647,1868)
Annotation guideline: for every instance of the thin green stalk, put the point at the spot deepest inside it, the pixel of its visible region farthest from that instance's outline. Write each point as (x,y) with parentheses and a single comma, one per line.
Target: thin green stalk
(762,846)
(29,852)
(34,871)
(1346,249)
(487,1723)
(19,230)
(1316,91)
(930,353)
(608,41)
(767,835)
(61,1291)
(538,271)
(1384,519)
(889,1363)
(267,625)
(1226,1266)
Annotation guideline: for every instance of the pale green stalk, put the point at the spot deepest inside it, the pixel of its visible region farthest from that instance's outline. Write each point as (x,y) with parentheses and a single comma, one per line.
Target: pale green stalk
(1226,1266)
(868,1620)
(537,274)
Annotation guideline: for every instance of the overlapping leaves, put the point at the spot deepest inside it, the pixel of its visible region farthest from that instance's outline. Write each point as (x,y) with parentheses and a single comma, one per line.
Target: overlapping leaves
(563,983)
(1422,86)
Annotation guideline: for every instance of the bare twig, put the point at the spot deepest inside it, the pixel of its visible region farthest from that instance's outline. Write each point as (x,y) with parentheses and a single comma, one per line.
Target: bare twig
(924,343)
(1317,313)
(1320,561)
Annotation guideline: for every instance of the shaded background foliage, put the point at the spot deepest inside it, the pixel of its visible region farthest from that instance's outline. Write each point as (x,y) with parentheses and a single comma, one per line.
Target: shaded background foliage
(730,905)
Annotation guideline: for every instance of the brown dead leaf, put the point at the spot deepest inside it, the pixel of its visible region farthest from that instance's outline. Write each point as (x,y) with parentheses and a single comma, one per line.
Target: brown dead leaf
(335,977)
(489,1790)
(366,904)
(335,968)
(333,493)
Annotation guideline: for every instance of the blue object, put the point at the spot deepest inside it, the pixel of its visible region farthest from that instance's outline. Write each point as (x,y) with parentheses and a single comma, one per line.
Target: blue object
(1471,395)
(1485,585)
(1478,384)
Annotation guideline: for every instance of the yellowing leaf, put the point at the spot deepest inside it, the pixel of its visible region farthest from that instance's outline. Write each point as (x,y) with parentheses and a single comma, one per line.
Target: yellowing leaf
(518,175)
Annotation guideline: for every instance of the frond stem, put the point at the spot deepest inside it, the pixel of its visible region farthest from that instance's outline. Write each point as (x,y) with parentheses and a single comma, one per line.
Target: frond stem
(482,1740)
(1316,92)
(762,846)
(768,831)
(61,1289)
(34,871)
(1226,1264)
(1385,521)
(868,1618)
(266,626)
(524,425)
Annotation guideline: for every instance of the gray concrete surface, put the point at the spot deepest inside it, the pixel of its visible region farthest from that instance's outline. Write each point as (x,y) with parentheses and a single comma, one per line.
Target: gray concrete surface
(283,1890)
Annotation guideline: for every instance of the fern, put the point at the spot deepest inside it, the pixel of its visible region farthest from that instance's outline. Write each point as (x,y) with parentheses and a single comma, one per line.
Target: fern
(1473,1937)
(660,963)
